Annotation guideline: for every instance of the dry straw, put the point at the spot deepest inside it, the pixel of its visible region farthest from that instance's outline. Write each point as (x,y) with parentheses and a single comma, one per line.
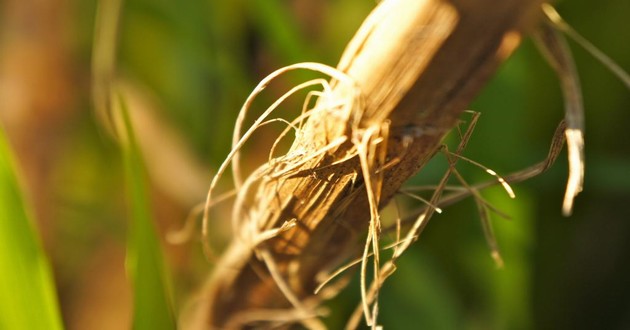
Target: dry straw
(377,119)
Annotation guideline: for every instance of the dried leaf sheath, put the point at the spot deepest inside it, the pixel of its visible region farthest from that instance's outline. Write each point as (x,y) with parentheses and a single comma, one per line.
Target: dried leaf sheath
(414,65)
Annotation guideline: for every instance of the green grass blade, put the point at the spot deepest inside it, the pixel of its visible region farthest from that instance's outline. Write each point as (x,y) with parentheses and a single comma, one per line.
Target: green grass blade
(279,27)
(28,299)
(152,303)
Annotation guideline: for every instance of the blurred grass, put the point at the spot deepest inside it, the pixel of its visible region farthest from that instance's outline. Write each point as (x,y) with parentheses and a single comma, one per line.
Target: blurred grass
(145,262)
(279,28)
(28,298)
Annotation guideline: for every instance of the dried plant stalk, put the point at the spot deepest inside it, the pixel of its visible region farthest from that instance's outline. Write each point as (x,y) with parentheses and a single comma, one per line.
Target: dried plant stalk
(400,86)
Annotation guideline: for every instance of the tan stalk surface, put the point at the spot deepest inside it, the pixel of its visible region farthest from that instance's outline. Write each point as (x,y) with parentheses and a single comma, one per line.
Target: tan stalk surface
(400,86)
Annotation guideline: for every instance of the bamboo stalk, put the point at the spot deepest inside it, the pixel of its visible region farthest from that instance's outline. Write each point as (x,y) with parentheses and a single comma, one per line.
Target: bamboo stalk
(417,64)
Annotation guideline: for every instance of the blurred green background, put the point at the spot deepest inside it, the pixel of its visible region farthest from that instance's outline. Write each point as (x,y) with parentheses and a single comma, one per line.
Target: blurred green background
(185,67)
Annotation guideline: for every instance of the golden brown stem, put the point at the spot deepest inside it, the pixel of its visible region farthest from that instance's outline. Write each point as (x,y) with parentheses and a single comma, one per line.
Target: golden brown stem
(417,64)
